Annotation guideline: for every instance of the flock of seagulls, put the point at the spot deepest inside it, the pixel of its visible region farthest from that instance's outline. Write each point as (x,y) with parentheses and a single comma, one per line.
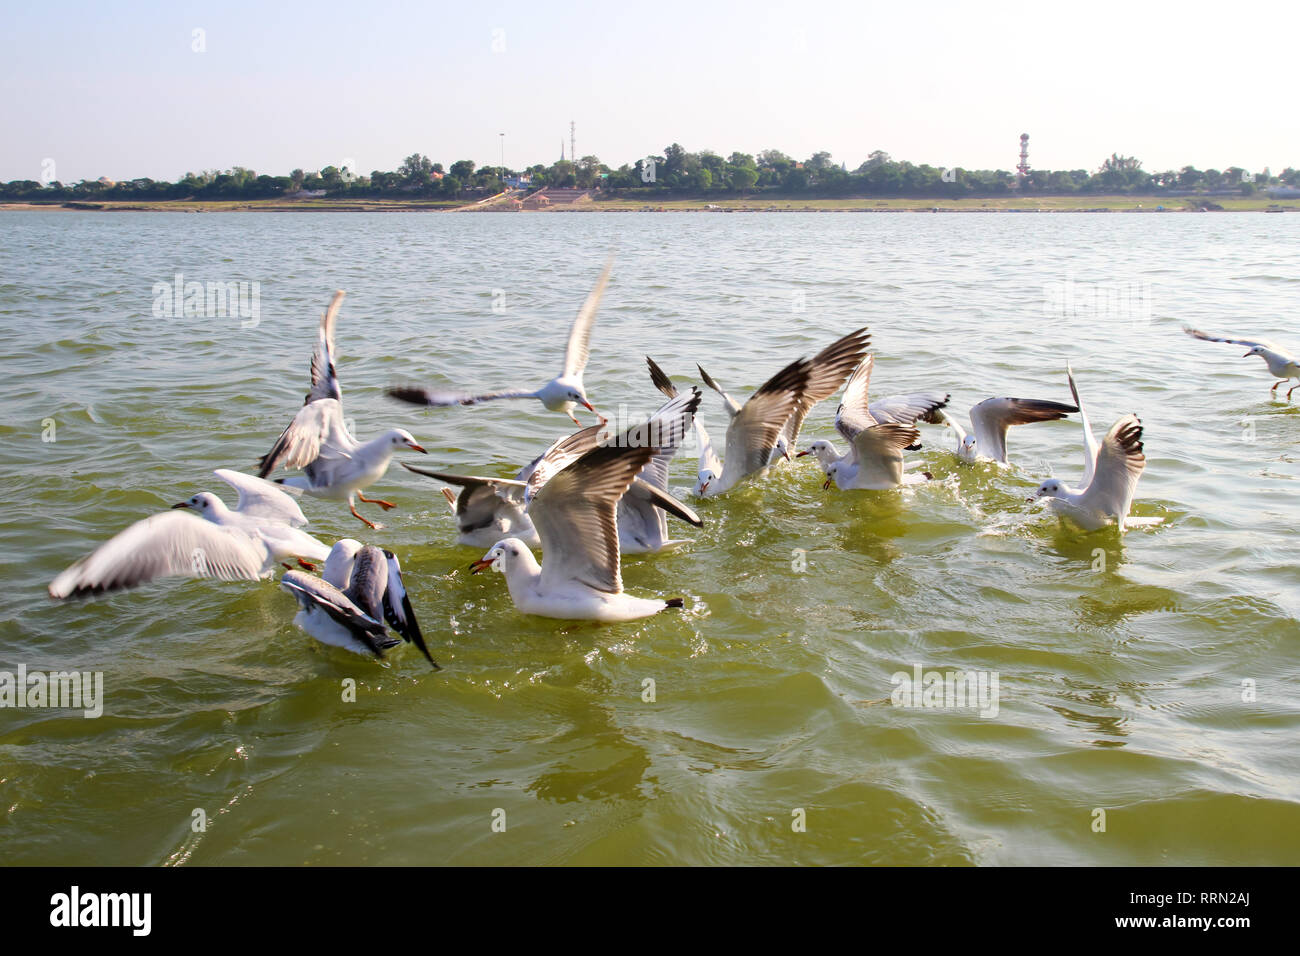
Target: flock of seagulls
(589,497)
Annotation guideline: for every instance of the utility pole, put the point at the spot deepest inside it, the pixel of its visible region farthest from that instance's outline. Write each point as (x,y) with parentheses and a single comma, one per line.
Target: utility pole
(503,157)
(573,142)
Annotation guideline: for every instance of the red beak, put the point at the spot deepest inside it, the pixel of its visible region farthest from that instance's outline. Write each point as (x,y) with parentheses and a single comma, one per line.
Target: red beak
(802,453)
(414,447)
(826,485)
(482,564)
(587,405)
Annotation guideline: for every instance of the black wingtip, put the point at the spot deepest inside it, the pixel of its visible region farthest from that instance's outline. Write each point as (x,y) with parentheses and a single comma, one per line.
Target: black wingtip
(408,393)
(676,602)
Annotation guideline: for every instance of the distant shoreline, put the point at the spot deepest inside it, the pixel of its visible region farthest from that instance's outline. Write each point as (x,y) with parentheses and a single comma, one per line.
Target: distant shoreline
(1016,204)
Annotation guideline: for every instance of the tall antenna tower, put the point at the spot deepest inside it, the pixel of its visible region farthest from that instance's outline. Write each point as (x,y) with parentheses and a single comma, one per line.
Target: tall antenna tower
(573,141)
(1022,168)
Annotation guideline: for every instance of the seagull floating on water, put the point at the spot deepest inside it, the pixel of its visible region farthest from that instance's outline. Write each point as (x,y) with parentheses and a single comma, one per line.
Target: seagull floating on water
(335,465)
(560,394)
(1281,363)
(992,418)
(361,588)
(575,512)
(1110,476)
(243,543)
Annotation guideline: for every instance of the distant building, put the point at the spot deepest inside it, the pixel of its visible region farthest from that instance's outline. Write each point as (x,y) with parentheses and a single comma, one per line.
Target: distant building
(1284,192)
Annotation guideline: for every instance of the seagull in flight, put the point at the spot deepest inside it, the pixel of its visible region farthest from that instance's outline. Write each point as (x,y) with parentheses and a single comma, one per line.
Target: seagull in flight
(1281,363)
(1111,471)
(575,511)
(335,465)
(855,414)
(361,589)
(231,544)
(560,394)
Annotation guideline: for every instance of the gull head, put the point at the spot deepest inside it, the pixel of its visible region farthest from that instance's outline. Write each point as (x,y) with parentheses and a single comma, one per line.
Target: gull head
(1255,350)
(968,446)
(781,449)
(205,503)
(702,481)
(500,556)
(832,470)
(1051,488)
(558,394)
(401,438)
(822,449)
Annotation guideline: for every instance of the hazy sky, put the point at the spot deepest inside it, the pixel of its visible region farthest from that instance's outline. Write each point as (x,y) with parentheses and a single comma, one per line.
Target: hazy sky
(118,90)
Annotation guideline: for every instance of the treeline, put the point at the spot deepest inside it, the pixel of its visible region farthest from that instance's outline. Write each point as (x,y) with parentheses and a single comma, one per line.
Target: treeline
(675,173)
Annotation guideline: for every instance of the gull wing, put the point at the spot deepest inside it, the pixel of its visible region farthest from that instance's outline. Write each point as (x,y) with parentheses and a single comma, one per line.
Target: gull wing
(317,431)
(1119,466)
(753,432)
(445,398)
(660,379)
(560,455)
(575,517)
(1249,343)
(577,350)
(398,611)
(732,406)
(879,452)
(510,489)
(259,498)
(910,408)
(1090,446)
(311,591)
(665,430)
(664,501)
(324,377)
(854,414)
(827,371)
(992,417)
(171,544)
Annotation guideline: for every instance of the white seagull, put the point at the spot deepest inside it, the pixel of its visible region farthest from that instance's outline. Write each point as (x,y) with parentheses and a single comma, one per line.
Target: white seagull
(1281,363)
(575,513)
(990,421)
(243,543)
(560,394)
(856,413)
(362,587)
(1110,476)
(335,465)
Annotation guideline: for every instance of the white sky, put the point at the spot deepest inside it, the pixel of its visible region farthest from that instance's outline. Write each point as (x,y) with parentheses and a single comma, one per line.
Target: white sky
(117,90)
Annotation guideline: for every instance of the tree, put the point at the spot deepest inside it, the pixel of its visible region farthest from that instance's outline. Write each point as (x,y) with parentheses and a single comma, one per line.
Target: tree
(415,170)
(462,169)
(743,178)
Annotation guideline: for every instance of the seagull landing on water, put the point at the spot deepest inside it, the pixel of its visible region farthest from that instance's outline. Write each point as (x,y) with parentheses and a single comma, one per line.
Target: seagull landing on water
(575,511)
(361,588)
(766,427)
(560,394)
(335,465)
(241,543)
(1281,363)
(1110,476)
(992,418)
(854,415)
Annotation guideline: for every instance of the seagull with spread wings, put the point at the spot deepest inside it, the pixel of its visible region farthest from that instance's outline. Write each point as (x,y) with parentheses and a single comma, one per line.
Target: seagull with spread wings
(573,502)
(855,414)
(992,418)
(241,543)
(1281,363)
(361,589)
(335,465)
(560,394)
(1111,471)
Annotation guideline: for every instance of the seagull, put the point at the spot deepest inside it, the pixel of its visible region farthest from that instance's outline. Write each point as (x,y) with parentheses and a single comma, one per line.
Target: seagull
(877,460)
(709,465)
(335,465)
(1281,363)
(560,394)
(361,588)
(488,509)
(855,414)
(1110,476)
(575,512)
(991,419)
(827,371)
(766,427)
(243,543)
